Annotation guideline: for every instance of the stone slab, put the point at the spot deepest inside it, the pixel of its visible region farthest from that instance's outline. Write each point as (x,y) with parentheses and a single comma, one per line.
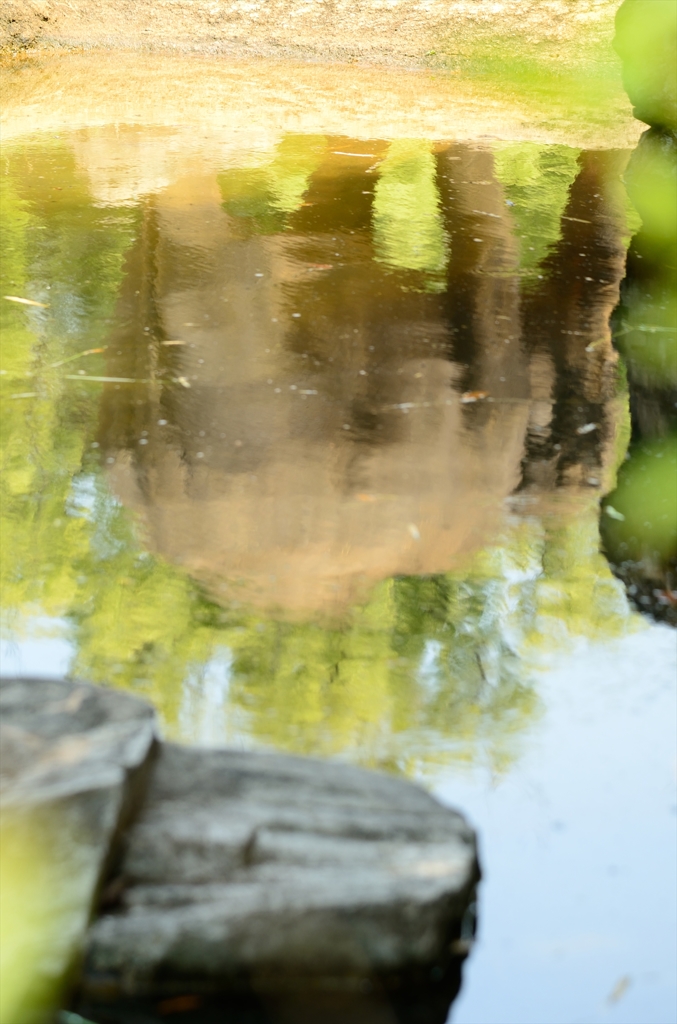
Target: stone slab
(272,873)
(259,886)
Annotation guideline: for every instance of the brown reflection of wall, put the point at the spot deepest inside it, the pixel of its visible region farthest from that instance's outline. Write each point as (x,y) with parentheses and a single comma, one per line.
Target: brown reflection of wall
(299,433)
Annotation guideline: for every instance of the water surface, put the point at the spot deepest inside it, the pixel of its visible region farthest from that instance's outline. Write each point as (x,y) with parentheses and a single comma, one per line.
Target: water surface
(305,442)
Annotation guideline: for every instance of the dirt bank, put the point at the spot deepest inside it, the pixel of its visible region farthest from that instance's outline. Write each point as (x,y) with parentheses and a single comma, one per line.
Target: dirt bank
(258,99)
(403,32)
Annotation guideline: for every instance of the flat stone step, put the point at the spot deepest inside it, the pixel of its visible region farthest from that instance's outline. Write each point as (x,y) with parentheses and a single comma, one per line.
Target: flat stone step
(221,878)
(266,872)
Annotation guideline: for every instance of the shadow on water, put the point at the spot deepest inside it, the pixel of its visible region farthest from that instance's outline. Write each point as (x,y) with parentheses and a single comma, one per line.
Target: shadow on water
(426,1007)
(373,1002)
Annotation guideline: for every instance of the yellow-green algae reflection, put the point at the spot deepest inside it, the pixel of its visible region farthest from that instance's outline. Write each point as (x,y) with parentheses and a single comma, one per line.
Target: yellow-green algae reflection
(418,668)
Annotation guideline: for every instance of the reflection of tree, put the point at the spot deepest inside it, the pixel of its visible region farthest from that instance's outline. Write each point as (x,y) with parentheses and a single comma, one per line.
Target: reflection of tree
(427,667)
(408,229)
(565,320)
(259,198)
(536,180)
(68,254)
(431,664)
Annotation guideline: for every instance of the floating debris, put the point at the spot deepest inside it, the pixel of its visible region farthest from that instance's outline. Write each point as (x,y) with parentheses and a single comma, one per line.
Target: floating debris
(24,394)
(587,428)
(176,342)
(619,989)
(646,328)
(105,380)
(473,396)
(78,355)
(26,302)
(406,406)
(414,531)
(614,513)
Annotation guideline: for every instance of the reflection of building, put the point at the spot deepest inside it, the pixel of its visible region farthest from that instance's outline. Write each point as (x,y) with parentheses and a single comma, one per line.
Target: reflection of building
(300,430)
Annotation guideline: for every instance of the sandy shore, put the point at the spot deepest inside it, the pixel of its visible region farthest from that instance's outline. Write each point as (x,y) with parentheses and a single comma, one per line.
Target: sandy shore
(404,32)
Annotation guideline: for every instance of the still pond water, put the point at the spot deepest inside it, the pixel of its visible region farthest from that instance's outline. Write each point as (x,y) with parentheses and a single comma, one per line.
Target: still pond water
(307,446)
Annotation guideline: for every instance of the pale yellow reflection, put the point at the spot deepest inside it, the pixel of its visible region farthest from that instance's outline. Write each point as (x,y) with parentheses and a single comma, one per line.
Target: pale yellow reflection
(408,229)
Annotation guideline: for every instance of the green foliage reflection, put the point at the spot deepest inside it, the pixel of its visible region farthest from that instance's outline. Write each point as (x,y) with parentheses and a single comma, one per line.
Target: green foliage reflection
(536,181)
(428,668)
(408,230)
(68,255)
(260,198)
